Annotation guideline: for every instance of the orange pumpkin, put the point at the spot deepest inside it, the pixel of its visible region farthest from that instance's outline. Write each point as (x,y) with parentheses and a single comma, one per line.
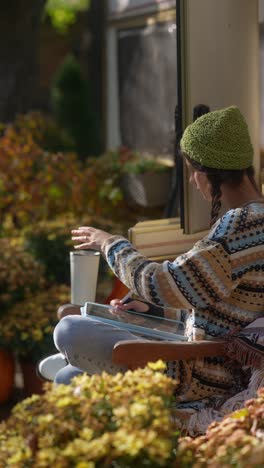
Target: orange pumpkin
(7,375)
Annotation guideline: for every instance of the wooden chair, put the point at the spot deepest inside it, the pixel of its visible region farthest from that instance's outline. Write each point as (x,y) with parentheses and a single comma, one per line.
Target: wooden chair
(135,354)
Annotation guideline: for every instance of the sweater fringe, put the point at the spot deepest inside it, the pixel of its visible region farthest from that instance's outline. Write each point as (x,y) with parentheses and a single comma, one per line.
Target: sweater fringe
(243,350)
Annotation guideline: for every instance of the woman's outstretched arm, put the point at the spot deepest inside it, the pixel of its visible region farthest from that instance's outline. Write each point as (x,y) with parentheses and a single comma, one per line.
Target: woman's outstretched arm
(196,279)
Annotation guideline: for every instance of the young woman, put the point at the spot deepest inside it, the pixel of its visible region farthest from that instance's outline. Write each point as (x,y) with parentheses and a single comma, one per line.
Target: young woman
(220,279)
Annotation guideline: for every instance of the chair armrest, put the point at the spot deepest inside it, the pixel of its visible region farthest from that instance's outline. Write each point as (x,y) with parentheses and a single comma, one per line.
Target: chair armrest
(137,353)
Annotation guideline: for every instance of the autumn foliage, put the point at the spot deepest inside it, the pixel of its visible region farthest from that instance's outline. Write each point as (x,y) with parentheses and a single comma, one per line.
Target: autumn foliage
(44,193)
(37,184)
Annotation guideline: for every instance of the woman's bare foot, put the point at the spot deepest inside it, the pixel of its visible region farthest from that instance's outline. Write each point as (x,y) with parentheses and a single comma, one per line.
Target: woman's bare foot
(68,309)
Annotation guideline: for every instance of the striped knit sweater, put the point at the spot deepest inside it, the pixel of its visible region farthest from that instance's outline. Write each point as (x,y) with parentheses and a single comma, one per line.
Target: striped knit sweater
(221,279)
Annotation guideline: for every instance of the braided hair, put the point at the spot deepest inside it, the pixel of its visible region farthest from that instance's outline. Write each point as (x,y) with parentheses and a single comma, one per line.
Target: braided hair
(217,177)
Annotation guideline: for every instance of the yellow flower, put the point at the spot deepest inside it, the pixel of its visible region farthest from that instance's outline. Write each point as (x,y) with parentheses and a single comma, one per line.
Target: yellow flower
(24,336)
(86,433)
(37,335)
(85,465)
(139,409)
(121,411)
(21,455)
(77,447)
(158,365)
(128,444)
(160,449)
(62,402)
(45,418)
(46,455)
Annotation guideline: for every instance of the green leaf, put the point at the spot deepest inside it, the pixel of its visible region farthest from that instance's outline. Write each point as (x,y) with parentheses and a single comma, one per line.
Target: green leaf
(55,192)
(63,13)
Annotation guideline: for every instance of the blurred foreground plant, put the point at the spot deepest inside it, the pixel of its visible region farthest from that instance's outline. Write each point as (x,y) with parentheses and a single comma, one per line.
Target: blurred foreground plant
(98,421)
(237,441)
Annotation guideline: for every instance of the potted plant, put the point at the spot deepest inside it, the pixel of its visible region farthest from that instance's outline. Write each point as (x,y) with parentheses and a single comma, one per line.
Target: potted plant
(28,331)
(146,180)
(20,275)
(123,177)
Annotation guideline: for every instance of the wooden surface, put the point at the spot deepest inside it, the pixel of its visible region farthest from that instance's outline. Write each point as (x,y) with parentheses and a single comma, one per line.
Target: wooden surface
(138,353)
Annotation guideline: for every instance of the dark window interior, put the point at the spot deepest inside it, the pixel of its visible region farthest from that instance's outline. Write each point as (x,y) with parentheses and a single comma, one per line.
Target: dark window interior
(147,68)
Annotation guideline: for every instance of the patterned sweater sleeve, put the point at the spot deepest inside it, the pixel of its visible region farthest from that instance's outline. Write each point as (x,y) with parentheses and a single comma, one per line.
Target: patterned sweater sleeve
(196,279)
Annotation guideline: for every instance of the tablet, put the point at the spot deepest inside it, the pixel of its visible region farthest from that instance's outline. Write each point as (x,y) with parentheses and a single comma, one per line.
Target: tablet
(145,325)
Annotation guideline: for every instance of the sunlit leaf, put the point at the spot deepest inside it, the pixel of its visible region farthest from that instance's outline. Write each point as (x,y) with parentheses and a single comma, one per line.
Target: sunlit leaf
(63,13)
(55,192)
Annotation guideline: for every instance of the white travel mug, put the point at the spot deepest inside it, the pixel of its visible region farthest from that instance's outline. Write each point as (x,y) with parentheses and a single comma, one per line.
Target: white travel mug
(84,265)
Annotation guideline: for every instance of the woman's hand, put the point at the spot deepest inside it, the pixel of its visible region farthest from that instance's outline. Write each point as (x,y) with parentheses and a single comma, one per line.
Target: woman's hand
(138,306)
(86,237)
(118,308)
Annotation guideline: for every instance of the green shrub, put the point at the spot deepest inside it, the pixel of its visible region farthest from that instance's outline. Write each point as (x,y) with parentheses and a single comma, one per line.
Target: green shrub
(50,243)
(73,107)
(45,131)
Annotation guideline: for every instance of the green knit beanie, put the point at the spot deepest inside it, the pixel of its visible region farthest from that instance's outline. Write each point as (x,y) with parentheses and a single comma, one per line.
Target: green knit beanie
(219,140)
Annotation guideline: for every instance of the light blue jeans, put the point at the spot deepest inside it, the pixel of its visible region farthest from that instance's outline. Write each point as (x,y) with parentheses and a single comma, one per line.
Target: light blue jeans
(87,344)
